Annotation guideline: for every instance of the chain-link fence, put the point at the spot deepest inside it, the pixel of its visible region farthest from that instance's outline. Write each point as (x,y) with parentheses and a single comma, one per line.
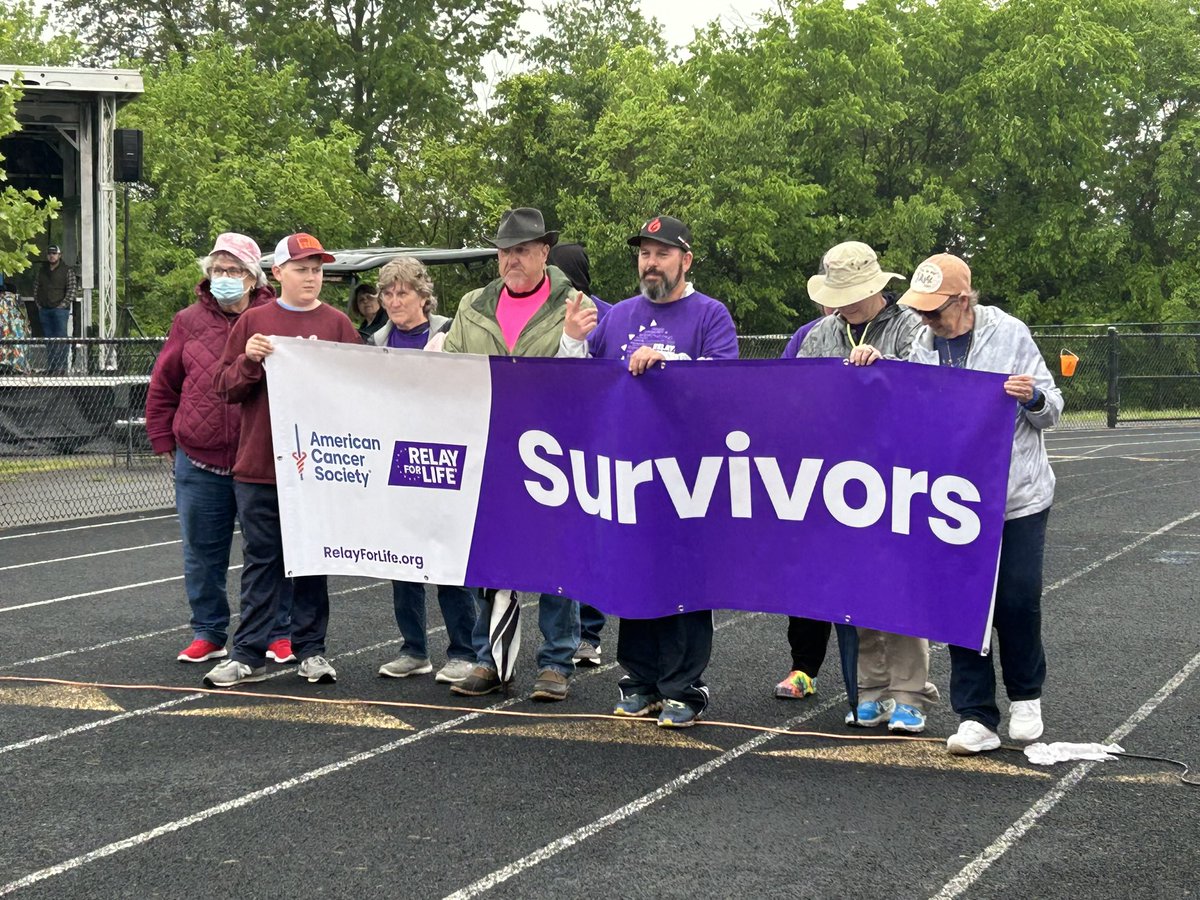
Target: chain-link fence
(73,443)
(73,430)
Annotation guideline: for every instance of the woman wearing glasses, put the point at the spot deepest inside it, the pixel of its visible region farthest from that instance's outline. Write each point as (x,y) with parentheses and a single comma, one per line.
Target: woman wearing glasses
(187,422)
(961,334)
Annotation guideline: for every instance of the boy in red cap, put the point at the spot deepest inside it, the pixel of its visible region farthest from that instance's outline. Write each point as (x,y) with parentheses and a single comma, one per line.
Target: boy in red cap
(241,378)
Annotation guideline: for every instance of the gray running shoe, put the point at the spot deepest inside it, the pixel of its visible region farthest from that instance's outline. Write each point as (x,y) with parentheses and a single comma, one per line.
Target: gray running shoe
(230,672)
(317,669)
(454,671)
(588,654)
(404,666)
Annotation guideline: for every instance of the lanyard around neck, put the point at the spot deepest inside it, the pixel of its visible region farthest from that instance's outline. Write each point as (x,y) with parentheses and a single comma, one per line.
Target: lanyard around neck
(860,341)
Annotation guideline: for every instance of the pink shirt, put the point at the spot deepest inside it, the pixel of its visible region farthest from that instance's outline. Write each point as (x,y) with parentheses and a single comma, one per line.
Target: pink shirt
(514,313)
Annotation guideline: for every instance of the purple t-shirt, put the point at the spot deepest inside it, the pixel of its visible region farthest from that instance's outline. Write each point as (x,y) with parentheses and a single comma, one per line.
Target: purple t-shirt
(792,350)
(696,325)
(409,340)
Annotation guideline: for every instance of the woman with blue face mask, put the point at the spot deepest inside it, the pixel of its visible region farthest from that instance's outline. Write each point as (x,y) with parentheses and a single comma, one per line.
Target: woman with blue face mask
(198,432)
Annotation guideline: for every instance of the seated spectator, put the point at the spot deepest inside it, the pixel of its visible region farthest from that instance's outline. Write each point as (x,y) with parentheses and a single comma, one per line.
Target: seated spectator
(364,306)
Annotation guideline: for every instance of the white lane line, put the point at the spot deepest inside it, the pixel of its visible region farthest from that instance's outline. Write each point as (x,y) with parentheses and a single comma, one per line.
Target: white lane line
(503,874)
(62,559)
(245,800)
(1058,445)
(67,732)
(972,871)
(153,634)
(145,837)
(29,534)
(111,590)
(1091,567)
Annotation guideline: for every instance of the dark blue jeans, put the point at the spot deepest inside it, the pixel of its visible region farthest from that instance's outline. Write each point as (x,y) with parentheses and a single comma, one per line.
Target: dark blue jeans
(264,583)
(207,512)
(1018,623)
(591,620)
(458,612)
(54,325)
(558,619)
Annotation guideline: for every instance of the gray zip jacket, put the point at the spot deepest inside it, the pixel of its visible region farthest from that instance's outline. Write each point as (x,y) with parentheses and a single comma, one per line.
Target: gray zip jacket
(1003,344)
(437,324)
(891,333)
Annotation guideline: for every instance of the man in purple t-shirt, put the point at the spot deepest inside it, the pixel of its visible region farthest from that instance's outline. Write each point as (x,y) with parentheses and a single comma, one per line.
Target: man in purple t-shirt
(665,658)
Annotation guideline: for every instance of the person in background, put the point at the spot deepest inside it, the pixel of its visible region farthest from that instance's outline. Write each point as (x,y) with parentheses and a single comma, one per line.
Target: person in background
(364,306)
(241,378)
(406,292)
(187,422)
(54,291)
(960,333)
(572,259)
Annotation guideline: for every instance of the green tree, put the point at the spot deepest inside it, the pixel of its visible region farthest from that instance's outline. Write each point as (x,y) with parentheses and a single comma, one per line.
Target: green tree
(232,148)
(24,214)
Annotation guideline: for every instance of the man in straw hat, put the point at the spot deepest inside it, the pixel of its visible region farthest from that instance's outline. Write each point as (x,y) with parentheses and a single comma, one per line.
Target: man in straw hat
(530,310)
(961,334)
(893,670)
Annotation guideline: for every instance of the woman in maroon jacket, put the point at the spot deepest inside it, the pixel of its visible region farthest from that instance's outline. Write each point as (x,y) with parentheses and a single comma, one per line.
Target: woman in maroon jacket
(188,422)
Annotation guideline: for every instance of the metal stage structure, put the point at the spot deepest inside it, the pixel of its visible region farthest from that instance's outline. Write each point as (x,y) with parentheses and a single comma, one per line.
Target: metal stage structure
(65,150)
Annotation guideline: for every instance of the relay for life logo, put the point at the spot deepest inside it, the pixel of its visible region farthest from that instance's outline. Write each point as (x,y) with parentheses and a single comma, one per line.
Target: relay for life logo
(427,465)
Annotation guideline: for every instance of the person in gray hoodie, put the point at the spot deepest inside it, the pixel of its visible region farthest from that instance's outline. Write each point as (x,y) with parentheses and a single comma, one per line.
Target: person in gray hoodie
(961,334)
(893,670)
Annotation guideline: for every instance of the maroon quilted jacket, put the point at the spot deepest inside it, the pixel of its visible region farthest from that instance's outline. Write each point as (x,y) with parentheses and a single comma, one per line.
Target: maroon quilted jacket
(182,407)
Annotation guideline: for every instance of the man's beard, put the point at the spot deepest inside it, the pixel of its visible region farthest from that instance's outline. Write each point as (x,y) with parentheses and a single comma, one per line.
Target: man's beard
(664,287)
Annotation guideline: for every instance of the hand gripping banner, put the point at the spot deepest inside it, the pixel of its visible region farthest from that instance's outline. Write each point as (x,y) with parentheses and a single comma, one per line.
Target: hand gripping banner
(869,496)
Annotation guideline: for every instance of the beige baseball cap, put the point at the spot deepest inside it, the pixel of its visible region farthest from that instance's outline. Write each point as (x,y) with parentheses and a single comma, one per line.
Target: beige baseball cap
(936,280)
(850,272)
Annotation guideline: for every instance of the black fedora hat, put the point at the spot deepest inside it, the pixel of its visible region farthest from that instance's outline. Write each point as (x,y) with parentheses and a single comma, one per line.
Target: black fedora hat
(520,225)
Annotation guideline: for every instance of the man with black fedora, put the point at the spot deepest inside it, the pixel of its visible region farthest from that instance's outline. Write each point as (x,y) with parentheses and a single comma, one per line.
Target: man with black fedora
(54,290)
(530,310)
(664,658)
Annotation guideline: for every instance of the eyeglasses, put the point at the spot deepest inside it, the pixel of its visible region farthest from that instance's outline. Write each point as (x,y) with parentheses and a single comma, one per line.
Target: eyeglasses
(220,272)
(937,313)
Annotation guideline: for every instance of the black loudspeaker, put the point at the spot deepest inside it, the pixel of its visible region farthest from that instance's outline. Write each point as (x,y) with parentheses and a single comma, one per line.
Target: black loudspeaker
(127,155)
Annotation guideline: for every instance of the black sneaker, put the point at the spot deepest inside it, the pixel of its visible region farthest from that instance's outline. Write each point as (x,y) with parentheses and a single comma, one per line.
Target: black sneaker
(550,685)
(482,680)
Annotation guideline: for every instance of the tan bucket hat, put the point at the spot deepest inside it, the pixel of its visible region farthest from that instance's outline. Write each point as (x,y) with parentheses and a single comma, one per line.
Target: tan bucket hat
(851,272)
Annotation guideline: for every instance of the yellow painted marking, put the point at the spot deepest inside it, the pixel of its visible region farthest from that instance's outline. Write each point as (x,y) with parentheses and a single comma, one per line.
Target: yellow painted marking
(1163,778)
(639,733)
(300,714)
(58,696)
(911,756)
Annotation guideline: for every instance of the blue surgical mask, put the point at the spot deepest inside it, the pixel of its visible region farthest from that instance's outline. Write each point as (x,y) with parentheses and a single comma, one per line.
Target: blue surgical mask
(227,291)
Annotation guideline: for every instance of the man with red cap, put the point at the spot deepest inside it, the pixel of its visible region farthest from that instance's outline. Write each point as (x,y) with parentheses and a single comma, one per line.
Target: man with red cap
(241,378)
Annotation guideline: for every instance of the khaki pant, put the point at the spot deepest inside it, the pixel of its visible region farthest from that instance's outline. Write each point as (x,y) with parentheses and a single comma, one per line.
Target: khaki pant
(896,666)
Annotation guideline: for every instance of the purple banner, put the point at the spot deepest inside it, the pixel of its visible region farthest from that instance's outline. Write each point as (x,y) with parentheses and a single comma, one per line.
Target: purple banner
(871,496)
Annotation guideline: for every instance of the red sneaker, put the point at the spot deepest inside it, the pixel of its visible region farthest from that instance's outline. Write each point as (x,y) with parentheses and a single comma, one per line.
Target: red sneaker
(281,651)
(202,651)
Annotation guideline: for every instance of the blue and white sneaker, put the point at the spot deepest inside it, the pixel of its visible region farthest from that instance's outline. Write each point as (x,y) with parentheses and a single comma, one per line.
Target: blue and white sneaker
(676,714)
(871,713)
(637,705)
(907,718)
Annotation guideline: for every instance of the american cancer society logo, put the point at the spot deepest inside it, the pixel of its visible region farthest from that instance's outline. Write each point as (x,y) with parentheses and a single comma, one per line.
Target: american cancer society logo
(427,465)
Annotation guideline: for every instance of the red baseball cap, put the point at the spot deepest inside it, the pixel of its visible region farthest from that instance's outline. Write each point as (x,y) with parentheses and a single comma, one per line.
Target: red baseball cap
(300,246)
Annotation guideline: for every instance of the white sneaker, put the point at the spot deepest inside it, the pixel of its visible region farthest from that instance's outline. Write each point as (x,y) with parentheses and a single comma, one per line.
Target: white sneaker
(403,666)
(317,668)
(972,738)
(455,671)
(230,672)
(1025,720)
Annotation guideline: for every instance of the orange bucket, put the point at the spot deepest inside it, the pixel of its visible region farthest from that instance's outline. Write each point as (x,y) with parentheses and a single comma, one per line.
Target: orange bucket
(1067,361)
